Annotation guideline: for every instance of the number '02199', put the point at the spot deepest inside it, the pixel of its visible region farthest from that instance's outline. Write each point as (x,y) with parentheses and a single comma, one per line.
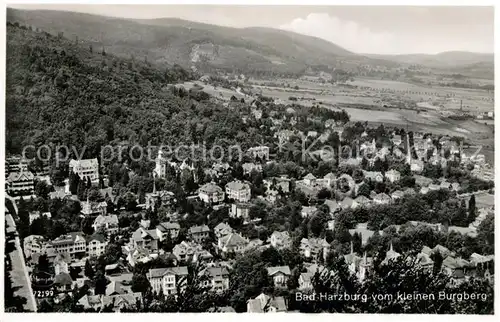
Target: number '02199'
(47,293)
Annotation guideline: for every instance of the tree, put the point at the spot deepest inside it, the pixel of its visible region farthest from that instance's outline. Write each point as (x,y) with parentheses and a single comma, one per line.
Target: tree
(140,283)
(472,209)
(89,270)
(100,283)
(364,190)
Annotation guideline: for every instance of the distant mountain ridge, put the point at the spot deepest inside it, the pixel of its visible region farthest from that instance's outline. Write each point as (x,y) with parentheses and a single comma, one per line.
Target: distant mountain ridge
(210,47)
(444,59)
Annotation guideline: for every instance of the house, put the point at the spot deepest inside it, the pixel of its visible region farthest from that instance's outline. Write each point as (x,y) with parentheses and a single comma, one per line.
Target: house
(424,190)
(333,205)
(272,196)
(114,288)
(21,183)
(279,184)
(185,250)
(280,239)
(445,185)
(167,229)
(398,194)
(424,261)
(310,179)
(96,244)
(455,268)
(455,186)
(362,228)
(249,167)
(232,243)
(266,304)
(108,222)
(222,229)
(329,179)
(307,211)
(382,199)
(390,255)
(361,201)
(238,191)
(330,225)
(240,210)
(216,277)
(261,152)
(157,198)
(434,187)
(93,209)
(314,247)
(305,278)
(211,193)
(374,176)
(346,203)
(118,301)
(36,214)
(86,169)
(393,175)
(280,275)
(61,263)
(63,282)
(198,233)
(396,139)
(33,244)
(73,243)
(167,280)
(442,250)
(147,239)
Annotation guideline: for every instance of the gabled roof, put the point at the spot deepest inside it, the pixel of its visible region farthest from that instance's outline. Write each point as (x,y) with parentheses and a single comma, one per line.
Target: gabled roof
(100,238)
(362,200)
(237,185)
(278,269)
(347,202)
(108,219)
(330,176)
(198,229)
(24,175)
(160,272)
(309,176)
(233,239)
(114,288)
(164,226)
(63,279)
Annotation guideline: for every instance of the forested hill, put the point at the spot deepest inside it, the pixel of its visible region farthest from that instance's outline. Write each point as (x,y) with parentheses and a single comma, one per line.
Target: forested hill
(63,93)
(207,47)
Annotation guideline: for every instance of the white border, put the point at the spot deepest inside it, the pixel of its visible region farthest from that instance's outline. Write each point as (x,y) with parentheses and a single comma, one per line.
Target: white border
(55,317)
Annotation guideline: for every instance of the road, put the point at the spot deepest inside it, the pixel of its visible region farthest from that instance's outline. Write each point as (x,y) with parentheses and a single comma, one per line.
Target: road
(19,273)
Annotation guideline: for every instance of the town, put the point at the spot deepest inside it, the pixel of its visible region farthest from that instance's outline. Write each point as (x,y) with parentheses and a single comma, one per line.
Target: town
(93,239)
(135,187)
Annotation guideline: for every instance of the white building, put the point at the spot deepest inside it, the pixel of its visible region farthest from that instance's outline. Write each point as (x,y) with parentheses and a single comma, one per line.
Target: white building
(211,193)
(108,222)
(238,191)
(73,243)
(260,151)
(85,169)
(96,245)
(21,183)
(167,279)
(393,175)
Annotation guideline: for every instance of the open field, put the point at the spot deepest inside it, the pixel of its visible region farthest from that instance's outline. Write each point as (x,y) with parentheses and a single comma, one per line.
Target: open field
(382,92)
(373,95)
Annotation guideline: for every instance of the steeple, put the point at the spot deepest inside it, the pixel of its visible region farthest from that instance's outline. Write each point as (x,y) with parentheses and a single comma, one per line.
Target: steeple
(364,258)
(391,249)
(154,183)
(352,248)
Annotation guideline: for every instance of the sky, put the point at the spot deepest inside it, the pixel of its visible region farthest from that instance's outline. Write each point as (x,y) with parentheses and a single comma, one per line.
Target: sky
(361,29)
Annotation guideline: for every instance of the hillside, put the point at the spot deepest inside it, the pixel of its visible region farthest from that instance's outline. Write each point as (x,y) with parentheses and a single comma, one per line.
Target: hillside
(58,92)
(188,43)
